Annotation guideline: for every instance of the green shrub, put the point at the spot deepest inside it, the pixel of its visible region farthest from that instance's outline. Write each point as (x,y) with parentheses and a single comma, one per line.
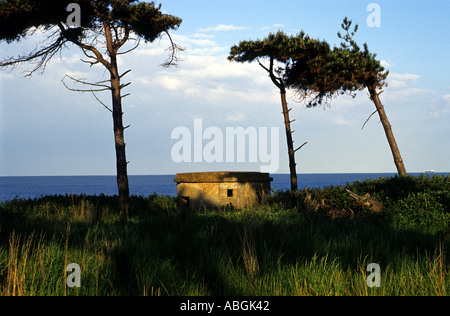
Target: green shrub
(423,212)
(392,189)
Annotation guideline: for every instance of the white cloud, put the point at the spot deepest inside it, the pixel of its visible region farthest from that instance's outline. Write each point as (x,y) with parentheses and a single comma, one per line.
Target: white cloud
(403,85)
(171,83)
(339,120)
(205,80)
(385,64)
(441,108)
(223,28)
(273,26)
(397,84)
(404,77)
(6,76)
(446,98)
(411,92)
(401,81)
(236,116)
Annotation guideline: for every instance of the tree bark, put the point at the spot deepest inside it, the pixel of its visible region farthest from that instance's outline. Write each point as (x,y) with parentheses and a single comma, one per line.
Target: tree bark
(388,131)
(287,123)
(119,140)
(121,160)
(290,143)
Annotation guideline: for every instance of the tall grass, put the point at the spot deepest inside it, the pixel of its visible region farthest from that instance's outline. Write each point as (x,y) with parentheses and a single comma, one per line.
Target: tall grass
(286,246)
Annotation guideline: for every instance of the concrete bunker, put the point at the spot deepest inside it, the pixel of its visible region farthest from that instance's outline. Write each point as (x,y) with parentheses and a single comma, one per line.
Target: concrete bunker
(209,190)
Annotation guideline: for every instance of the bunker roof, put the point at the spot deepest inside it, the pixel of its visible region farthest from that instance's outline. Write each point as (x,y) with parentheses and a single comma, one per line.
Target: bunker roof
(220,177)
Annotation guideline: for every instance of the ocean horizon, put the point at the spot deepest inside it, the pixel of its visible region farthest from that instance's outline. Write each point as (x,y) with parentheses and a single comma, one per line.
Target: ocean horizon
(24,187)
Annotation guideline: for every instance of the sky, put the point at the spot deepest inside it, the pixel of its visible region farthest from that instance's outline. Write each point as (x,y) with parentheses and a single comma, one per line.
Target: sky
(46,129)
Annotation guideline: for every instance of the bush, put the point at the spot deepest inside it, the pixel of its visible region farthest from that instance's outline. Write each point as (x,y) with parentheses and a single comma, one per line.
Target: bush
(392,189)
(423,212)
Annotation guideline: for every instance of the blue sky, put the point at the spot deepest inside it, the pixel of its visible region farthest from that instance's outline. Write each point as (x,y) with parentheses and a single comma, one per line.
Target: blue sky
(47,130)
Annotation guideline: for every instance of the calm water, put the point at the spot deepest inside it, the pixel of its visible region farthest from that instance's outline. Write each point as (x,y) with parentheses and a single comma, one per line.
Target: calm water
(32,187)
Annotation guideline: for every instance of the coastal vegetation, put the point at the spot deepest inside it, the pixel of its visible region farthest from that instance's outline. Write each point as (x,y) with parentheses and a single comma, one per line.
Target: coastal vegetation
(308,242)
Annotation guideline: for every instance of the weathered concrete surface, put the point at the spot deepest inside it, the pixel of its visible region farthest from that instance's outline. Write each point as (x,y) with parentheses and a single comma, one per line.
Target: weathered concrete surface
(208,190)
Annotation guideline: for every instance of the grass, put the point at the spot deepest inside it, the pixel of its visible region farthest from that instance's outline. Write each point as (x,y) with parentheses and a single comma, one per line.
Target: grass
(289,245)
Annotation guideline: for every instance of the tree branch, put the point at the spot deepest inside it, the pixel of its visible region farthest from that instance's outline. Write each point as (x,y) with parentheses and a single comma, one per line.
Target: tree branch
(42,55)
(276,80)
(131,49)
(173,58)
(125,73)
(125,39)
(98,56)
(88,90)
(369,118)
(300,147)
(125,85)
(264,67)
(104,87)
(106,107)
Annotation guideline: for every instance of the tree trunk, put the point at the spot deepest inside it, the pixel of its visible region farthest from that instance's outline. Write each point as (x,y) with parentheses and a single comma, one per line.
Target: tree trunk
(290,143)
(287,123)
(388,131)
(121,159)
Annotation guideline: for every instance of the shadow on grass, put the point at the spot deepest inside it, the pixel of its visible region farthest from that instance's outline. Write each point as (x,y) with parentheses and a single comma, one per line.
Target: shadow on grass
(161,251)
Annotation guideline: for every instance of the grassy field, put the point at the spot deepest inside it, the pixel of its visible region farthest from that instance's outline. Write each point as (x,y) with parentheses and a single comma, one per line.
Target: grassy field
(312,242)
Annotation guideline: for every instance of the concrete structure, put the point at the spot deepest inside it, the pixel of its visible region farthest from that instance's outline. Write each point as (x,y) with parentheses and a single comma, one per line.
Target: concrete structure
(207,190)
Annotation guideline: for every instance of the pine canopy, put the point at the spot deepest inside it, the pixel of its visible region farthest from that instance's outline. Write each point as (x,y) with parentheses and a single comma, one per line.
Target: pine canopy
(18,17)
(345,69)
(310,67)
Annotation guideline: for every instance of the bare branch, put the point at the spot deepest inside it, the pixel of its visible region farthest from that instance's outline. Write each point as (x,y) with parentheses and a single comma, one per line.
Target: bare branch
(125,73)
(174,48)
(131,49)
(88,90)
(125,38)
(264,67)
(106,107)
(97,84)
(300,147)
(41,57)
(105,87)
(369,118)
(98,56)
(94,59)
(92,63)
(125,85)
(276,80)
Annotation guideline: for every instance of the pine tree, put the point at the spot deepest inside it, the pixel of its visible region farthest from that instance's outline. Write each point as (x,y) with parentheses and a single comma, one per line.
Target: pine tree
(103,23)
(281,50)
(345,69)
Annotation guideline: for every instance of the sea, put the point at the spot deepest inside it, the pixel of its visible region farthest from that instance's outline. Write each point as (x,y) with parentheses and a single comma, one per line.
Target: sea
(38,186)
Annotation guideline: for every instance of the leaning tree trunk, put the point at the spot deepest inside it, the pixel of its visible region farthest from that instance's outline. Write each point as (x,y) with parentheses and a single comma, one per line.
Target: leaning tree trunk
(290,143)
(388,131)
